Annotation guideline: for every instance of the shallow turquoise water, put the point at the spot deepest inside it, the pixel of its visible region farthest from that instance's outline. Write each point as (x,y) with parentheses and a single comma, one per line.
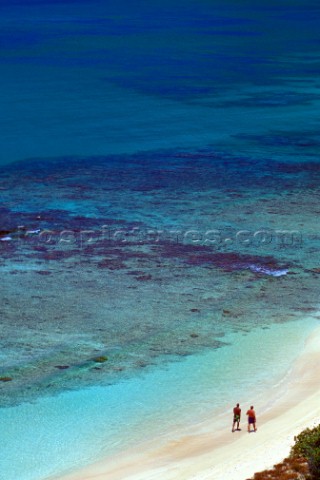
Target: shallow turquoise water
(101,421)
(159,201)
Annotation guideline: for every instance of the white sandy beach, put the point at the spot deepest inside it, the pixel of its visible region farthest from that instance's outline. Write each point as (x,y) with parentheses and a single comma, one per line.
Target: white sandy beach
(208,454)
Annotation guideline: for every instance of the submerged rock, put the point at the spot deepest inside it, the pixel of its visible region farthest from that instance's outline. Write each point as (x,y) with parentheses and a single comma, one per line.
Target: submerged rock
(143,278)
(100,359)
(194,335)
(314,270)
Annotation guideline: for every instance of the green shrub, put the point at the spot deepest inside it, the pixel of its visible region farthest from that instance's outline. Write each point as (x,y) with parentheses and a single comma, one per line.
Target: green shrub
(307,444)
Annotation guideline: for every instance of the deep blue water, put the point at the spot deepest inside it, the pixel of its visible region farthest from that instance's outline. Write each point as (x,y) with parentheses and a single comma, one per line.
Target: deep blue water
(106,77)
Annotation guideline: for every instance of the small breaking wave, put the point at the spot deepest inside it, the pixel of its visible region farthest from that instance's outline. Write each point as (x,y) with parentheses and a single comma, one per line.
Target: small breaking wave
(268,271)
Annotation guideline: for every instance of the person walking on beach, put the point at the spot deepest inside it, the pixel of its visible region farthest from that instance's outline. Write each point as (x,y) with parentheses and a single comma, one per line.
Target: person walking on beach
(236,417)
(251,419)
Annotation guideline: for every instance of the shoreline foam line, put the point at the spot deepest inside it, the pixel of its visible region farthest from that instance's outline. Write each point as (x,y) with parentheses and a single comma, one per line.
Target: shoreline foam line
(203,453)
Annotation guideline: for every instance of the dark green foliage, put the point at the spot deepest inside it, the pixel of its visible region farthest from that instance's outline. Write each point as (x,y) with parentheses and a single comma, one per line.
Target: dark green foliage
(307,444)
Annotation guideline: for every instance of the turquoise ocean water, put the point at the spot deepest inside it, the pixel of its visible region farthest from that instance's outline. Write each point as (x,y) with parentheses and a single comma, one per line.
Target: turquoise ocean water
(159,190)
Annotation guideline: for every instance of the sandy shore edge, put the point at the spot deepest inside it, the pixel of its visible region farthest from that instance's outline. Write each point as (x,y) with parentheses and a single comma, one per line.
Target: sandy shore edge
(211,455)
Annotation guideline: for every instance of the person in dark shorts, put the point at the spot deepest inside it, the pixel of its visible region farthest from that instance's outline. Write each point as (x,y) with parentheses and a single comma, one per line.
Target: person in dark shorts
(236,417)
(251,419)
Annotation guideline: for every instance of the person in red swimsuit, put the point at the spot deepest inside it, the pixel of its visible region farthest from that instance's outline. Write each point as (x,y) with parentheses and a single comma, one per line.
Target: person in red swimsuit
(251,419)
(236,417)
